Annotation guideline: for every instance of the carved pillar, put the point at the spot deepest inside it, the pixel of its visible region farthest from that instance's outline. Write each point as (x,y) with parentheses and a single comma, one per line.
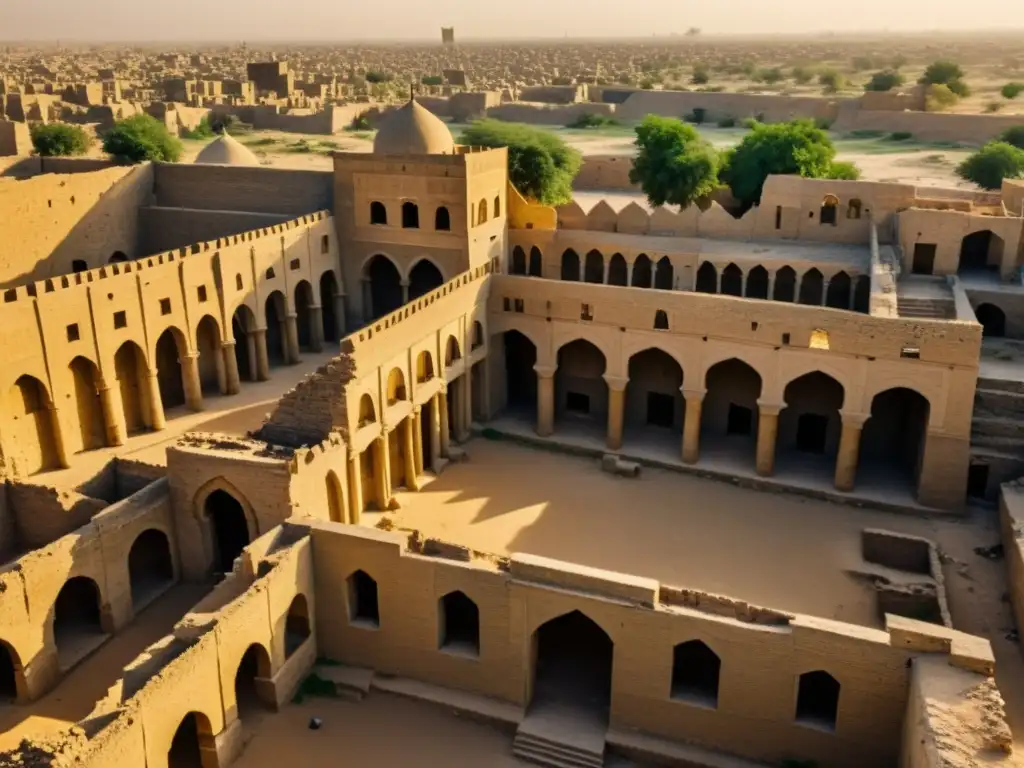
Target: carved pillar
(232,384)
(190,379)
(435,431)
(381,472)
(629,273)
(355,487)
(442,416)
(113,420)
(824,292)
(616,410)
(250,344)
(259,337)
(291,338)
(417,438)
(771,286)
(316,328)
(409,454)
(339,315)
(405,291)
(58,438)
(849,450)
(545,400)
(156,403)
(767,435)
(691,424)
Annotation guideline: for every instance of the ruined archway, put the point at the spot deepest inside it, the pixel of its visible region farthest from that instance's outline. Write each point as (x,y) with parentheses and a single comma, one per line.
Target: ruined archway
(573,659)
(304,301)
(88,405)
(211,359)
(729,414)
(11,671)
(229,527)
(980,252)
(274,310)
(329,306)
(170,349)
(580,388)
(385,285)
(130,370)
(424,278)
(250,697)
(810,423)
(77,620)
(187,746)
(653,396)
(150,567)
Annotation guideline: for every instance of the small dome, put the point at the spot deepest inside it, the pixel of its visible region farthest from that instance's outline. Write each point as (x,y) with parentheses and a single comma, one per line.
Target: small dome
(224,150)
(413,130)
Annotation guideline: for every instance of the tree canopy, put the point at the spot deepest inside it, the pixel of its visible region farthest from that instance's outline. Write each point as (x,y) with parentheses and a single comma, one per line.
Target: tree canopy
(59,139)
(673,163)
(797,147)
(140,138)
(885,80)
(991,164)
(541,166)
(947,73)
(1013,135)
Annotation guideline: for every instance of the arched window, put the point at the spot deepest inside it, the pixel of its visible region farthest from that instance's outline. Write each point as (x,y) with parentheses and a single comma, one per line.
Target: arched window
(362,600)
(442,220)
(296,625)
(518,261)
(817,702)
(367,413)
(660,320)
(482,212)
(378,213)
(829,206)
(79,265)
(459,624)
(695,671)
(497,206)
(117,257)
(410,215)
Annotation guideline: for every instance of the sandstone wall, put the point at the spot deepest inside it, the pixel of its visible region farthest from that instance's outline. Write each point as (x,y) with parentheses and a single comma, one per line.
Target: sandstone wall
(548,114)
(719,105)
(932,126)
(605,172)
(229,188)
(165,229)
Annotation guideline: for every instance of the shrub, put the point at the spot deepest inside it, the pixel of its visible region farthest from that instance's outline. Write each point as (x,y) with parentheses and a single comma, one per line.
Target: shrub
(376,76)
(1012,90)
(540,164)
(769,76)
(697,116)
(727,122)
(59,140)
(862,63)
(901,136)
(749,122)
(432,80)
(991,107)
(647,85)
(589,120)
(939,97)
(885,80)
(830,81)
(140,138)
(991,164)
(843,170)
(700,76)
(942,72)
(673,163)
(1014,136)
(802,75)
(202,131)
(823,123)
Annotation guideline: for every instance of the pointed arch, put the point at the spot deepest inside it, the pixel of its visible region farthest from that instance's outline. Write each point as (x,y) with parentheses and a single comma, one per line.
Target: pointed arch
(732,280)
(593,269)
(838,293)
(785,285)
(811,287)
(536,262)
(642,271)
(442,219)
(518,261)
(757,283)
(385,285)
(664,276)
(85,377)
(410,215)
(810,423)
(618,272)
(424,277)
(707,278)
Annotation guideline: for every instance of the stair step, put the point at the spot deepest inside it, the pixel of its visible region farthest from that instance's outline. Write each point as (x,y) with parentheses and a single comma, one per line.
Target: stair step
(556,760)
(554,746)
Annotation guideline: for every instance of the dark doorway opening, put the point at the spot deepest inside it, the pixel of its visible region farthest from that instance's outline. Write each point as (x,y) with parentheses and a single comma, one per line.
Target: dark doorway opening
(424,278)
(362,599)
(536,261)
(328,306)
(695,672)
(992,319)
(185,751)
(660,409)
(977,480)
(573,663)
(732,281)
(924,258)
(577,402)
(230,529)
(77,623)
(296,626)
(980,251)
(8,674)
(426,422)
(150,568)
(385,286)
(740,420)
(254,664)
(460,624)
(817,702)
(275,312)
(811,432)
(707,278)
(785,285)
(570,265)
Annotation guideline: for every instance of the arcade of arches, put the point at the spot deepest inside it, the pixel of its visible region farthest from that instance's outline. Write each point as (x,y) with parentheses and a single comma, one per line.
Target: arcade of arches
(385,290)
(726,412)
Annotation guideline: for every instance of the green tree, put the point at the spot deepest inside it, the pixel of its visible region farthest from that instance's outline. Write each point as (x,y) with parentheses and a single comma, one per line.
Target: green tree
(700,76)
(1012,90)
(376,76)
(1014,136)
(798,147)
(938,98)
(885,80)
(830,81)
(991,164)
(540,164)
(844,170)
(59,140)
(770,76)
(432,80)
(802,75)
(204,130)
(947,73)
(140,138)
(673,163)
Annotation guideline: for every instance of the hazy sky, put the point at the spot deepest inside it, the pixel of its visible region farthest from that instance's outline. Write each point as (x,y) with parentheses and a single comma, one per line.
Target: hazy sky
(326,20)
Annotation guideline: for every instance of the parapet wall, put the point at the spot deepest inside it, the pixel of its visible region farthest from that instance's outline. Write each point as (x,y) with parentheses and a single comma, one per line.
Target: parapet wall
(233,188)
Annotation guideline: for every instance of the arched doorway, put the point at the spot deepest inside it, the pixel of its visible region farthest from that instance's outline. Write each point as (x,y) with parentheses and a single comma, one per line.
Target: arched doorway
(424,278)
(88,405)
(243,324)
(296,626)
(186,749)
(653,396)
(580,389)
(304,315)
(30,427)
(130,369)
(170,348)
(211,360)
(518,261)
(810,423)
(894,437)
(642,271)
(757,283)
(732,281)
(862,294)
(275,314)
(229,527)
(811,287)
(785,285)
(838,294)
(150,567)
(520,376)
(335,498)
(459,620)
(593,270)
(249,698)
(570,265)
(117,257)
(328,306)
(385,285)
(77,620)
(617,270)
(980,252)
(572,664)
(729,415)
(664,276)
(10,671)
(992,319)
(536,262)
(707,278)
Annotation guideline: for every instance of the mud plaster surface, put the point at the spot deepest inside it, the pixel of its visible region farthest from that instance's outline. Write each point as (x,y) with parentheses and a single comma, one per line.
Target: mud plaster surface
(776,550)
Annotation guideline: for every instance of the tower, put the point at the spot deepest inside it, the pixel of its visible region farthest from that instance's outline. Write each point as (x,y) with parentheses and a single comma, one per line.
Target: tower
(448,35)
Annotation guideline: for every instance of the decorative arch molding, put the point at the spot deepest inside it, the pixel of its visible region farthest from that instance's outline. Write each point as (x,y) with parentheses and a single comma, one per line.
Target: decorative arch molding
(759,361)
(637,344)
(221,483)
(538,333)
(557,612)
(798,367)
(194,340)
(569,333)
(932,395)
(397,262)
(414,262)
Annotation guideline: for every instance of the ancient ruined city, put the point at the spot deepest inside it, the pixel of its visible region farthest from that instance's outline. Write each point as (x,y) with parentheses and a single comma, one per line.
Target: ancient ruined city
(330,436)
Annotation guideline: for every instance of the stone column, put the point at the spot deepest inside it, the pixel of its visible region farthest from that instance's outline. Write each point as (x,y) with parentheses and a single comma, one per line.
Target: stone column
(796,289)
(442,417)
(691,424)
(259,337)
(767,435)
(654,273)
(583,266)
(113,418)
(409,454)
(467,401)
(417,438)
(232,384)
(743,284)
(545,400)
(616,410)
(156,403)
(291,338)
(250,345)
(355,487)
(190,378)
(381,472)
(58,438)
(435,431)
(607,264)
(339,315)
(771,287)
(629,273)
(405,291)
(316,328)
(824,292)
(852,298)
(718,278)
(222,372)
(849,450)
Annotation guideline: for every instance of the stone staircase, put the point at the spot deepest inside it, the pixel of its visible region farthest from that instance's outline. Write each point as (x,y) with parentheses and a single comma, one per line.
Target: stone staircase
(997,429)
(925,297)
(540,750)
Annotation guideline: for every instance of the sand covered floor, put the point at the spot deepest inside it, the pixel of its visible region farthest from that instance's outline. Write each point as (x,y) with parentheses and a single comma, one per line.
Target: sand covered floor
(776,550)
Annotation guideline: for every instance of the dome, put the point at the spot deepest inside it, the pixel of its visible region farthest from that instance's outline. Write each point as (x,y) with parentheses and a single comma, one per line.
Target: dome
(224,150)
(413,130)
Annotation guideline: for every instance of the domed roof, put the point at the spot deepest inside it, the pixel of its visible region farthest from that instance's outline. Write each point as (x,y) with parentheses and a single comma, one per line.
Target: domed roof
(224,150)
(413,130)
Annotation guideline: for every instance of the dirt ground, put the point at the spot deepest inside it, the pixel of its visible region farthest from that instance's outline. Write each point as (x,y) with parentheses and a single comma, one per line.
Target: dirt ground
(776,550)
